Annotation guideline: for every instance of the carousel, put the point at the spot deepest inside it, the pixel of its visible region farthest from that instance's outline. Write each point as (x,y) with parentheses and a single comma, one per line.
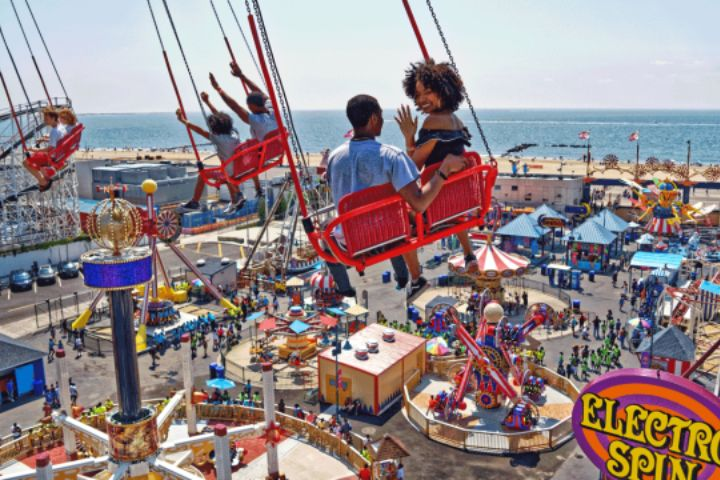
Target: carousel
(301,331)
(494,265)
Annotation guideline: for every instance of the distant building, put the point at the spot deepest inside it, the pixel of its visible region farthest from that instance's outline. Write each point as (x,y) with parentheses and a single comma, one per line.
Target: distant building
(533,190)
(175,183)
(22,367)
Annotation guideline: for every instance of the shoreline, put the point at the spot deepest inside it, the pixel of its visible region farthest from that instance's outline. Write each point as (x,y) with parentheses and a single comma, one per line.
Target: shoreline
(536,165)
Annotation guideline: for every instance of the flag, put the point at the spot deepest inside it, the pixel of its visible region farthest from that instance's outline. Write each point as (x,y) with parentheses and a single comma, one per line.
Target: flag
(584,135)
(339,373)
(349,133)
(634,136)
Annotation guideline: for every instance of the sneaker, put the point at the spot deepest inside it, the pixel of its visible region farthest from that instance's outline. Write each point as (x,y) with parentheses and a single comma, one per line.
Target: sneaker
(401,283)
(239,203)
(471,263)
(229,209)
(416,288)
(189,206)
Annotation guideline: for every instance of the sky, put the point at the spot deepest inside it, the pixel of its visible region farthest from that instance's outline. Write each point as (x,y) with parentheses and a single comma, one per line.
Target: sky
(642,54)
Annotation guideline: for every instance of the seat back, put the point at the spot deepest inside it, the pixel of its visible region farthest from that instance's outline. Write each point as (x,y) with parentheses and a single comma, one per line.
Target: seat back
(66,147)
(246,156)
(385,221)
(461,194)
(274,146)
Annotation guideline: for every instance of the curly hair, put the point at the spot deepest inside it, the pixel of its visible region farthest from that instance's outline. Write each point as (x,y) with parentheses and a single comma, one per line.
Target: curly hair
(441,78)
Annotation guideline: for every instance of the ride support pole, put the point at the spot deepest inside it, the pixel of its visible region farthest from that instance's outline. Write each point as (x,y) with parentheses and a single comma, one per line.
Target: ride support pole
(12,112)
(180,104)
(416,30)
(278,118)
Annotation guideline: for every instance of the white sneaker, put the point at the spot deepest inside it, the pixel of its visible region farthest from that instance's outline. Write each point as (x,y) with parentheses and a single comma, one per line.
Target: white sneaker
(229,209)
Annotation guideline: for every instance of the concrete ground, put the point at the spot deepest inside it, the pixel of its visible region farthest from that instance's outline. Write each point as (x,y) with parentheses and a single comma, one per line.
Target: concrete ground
(95,379)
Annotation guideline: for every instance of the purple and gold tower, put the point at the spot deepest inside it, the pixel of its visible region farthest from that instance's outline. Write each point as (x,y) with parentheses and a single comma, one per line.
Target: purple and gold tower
(116,268)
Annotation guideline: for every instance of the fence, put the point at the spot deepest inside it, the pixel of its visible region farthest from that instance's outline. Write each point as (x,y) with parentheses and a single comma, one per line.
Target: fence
(542,287)
(62,311)
(312,434)
(539,440)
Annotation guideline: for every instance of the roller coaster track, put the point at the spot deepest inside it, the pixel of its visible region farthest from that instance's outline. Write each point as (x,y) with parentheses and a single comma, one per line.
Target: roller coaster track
(31,129)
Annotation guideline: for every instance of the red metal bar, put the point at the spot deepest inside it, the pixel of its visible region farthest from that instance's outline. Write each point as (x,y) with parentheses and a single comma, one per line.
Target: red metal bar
(278,119)
(701,360)
(180,104)
(416,30)
(206,282)
(232,57)
(12,111)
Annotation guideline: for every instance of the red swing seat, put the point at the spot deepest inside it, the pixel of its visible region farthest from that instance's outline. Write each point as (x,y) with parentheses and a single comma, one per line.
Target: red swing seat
(251,158)
(376,221)
(55,159)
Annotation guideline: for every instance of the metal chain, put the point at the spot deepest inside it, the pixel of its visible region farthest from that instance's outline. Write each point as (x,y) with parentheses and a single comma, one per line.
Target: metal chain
(247,44)
(52,62)
(287,115)
(465,94)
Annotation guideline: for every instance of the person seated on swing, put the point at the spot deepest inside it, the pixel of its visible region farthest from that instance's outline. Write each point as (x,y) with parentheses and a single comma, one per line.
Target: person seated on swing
(437,90)
(67,119)
(36,163)
(259,114)
(362,163)
(223,136)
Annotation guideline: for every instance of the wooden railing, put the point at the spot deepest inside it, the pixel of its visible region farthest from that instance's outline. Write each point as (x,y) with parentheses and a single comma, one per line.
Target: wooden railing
(311,433)
(538,440)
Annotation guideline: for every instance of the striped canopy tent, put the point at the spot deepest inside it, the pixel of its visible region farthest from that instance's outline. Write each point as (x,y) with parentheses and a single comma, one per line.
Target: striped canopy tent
(663,226)
(493,263)
(322,281)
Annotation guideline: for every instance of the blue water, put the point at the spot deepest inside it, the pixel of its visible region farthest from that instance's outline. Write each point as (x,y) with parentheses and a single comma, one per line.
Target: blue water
(663,134)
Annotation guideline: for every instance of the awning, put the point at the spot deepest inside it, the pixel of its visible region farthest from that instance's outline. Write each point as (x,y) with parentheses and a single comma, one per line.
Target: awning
(335,311)
(299,327)
(295,282)
(709,287)
(267,324)
(327,320)
(558,266)
(672,261)
(356,310)
(254,316)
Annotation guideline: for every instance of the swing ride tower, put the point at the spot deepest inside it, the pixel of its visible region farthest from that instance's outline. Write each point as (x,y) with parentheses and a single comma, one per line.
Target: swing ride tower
(27,216)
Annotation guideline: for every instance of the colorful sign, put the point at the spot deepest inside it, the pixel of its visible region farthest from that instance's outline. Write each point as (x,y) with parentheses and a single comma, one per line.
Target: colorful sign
(551,222)
(639,424)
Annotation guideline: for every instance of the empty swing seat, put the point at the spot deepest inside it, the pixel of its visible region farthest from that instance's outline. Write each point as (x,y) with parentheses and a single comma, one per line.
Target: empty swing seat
(52,161)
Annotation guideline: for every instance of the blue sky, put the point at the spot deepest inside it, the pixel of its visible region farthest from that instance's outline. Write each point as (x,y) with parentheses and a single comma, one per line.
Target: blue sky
(512,54)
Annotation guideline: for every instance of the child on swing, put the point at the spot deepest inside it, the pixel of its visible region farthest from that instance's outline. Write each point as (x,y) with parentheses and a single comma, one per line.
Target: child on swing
(225,139)
(35,163)
(437,90)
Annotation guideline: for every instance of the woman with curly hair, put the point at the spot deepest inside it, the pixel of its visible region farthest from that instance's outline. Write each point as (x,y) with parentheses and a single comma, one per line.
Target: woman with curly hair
(437,90)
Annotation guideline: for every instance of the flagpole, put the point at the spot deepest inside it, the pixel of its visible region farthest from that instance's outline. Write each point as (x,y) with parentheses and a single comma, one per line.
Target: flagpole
(637,160)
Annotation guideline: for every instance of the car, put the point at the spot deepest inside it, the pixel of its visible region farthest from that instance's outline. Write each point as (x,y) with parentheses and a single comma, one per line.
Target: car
(20,280)
(68,270)
(46,275)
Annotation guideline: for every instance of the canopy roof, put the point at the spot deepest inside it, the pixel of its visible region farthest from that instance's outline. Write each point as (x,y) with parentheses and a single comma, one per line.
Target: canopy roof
(645,239)
(16,353)
(299,327)
(523,226)
(656,260)
(710,287)
(612,222)
(389,448)
(356,310)
(492,262)
(295,282)
(592,232)
(670,343)
(547,211)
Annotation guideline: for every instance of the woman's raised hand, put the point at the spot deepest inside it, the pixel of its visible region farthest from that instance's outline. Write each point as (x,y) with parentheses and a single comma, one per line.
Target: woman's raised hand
(407,122)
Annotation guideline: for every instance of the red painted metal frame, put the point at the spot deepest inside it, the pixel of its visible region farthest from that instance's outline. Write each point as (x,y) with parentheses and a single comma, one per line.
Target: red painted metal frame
(55,159)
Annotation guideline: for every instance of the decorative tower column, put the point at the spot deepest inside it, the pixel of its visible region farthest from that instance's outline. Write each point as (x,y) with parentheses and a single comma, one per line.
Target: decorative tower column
(63,379)
(223,469)
(116,268)
(188,383)
(271,428)
(43,467)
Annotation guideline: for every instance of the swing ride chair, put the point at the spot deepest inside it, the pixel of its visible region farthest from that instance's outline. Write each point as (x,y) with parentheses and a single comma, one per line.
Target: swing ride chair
(56,159)
(251,158)
(377,222)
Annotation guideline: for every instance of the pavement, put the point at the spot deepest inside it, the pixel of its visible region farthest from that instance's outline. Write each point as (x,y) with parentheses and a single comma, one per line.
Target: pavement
(95,379)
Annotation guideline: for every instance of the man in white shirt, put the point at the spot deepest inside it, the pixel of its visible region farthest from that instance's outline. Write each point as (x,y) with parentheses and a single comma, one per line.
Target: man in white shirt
(40,157)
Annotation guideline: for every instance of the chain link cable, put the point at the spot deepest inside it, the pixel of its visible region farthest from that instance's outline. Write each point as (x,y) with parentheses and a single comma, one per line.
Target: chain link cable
(465,94)
(247,44)
(47,50)
(282,96)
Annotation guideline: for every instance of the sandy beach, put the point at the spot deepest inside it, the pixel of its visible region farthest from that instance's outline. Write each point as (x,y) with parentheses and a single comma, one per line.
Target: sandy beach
(536,165)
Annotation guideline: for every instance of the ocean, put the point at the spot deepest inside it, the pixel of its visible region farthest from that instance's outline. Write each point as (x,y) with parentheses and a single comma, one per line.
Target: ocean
(663,134)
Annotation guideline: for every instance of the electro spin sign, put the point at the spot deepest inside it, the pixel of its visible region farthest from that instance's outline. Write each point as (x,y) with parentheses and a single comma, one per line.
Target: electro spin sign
(641,424)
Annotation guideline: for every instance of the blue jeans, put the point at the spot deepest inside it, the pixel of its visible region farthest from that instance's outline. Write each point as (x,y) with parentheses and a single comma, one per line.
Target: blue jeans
(342,280)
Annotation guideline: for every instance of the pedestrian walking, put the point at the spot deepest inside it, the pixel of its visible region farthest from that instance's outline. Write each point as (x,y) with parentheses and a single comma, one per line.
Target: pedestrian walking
(51,349)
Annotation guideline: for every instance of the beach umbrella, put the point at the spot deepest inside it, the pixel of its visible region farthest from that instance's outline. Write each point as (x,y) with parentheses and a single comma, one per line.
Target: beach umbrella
(220,383)
(643,322)
(437,346)
(197,282)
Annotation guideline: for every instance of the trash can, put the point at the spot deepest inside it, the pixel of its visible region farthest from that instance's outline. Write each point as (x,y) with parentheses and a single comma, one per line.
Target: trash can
(543,269)
(386,276)
(575,279)
(551,276)
(437,258)
(220,371)
(443,280)
(693,276)
(213,370)
(576,305)
(591,275)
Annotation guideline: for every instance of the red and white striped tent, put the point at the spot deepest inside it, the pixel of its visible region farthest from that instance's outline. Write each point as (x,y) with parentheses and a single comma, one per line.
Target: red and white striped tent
(492,263)
(322,281)
(663,226)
